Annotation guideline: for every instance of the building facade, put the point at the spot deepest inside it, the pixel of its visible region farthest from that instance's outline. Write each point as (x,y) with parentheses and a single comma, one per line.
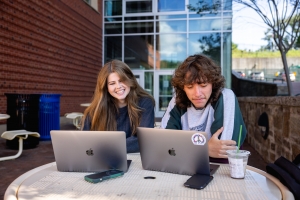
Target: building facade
(59,46)
(154,36)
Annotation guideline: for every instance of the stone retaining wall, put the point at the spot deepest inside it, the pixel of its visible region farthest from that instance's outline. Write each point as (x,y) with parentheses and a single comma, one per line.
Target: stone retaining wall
(284,121)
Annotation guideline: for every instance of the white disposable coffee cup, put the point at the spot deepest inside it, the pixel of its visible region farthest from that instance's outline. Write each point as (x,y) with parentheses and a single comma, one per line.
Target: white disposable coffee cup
(237,162)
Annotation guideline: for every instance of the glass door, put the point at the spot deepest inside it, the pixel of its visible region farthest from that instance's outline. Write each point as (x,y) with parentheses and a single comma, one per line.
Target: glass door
(163,91)
(139,75)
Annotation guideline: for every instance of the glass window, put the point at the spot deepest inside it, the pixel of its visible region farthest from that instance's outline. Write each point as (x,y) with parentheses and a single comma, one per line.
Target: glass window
(215,14)
(171,17)
(165,91)
(205,5)
(149,83)
(113,28)
(206,43)
(139,18)
(112,48)
(171,50)
(171,26)
(112,19)
(227,24)
(227,4)
(138,6)
(205,25)
(170,5)
(165,87)
(227,14)
(139,51)
(163,102)
(113,7)
(139,27)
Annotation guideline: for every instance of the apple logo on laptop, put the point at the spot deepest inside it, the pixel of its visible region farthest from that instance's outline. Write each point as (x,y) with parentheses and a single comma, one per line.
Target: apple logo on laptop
(172,152)
(89,152)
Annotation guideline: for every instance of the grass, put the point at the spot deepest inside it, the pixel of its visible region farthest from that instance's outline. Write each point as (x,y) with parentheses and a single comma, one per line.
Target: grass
(236,53)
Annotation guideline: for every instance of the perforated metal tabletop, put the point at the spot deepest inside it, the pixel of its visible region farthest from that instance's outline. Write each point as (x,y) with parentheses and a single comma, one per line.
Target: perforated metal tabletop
(46,182)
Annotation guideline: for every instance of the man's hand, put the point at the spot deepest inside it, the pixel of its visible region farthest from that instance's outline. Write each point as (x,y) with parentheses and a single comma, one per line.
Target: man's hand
(217,148)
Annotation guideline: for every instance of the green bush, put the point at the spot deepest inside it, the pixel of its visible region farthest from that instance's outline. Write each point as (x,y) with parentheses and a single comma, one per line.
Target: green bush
(236,53)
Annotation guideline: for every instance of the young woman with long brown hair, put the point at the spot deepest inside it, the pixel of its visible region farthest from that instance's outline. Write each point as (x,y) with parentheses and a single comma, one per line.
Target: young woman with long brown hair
(119,104)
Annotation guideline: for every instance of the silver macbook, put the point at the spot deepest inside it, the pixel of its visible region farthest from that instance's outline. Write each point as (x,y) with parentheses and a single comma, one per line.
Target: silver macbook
(174,151)
(89,151)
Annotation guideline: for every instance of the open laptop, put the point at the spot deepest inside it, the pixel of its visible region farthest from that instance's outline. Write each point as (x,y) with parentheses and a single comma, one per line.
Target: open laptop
(89,151)
(175,151)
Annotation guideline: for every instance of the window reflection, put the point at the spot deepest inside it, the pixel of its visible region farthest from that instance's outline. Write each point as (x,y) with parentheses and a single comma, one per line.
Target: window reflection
(170,5)
(171,17)
(207,43)
(139,51)
(149,84)
(165,91)
(139,27)
(227,25)
(207,5)
(112,19)
(165,87)
(225,14)
(138,6)
(113,7)
(207,14)
(171,49)
(112,48)
(163,103)
(113,28)
(227,4)
(171,26)
(205,25)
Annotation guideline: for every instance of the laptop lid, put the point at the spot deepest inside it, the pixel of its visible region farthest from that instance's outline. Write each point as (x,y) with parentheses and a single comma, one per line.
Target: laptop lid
(174,151)
(89,151)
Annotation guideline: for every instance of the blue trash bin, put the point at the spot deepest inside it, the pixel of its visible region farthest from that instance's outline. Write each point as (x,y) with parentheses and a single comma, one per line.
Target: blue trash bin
(49,115)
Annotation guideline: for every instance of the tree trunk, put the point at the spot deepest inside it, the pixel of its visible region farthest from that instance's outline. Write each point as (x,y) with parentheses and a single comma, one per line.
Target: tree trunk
(287,72)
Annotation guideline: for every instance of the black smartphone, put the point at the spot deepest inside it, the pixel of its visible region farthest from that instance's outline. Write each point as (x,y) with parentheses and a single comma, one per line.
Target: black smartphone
(198,181)
(101,176)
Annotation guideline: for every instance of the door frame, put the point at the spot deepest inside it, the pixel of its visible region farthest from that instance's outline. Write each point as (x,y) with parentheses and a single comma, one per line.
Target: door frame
(141,74)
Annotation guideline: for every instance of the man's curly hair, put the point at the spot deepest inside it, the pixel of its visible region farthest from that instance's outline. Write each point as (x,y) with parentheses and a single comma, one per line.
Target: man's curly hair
(197,69)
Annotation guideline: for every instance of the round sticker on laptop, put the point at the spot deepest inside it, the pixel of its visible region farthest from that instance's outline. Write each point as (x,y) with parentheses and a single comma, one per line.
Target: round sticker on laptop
(198,139)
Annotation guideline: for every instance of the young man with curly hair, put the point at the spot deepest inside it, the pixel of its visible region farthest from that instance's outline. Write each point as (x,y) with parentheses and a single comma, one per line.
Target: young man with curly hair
(202,103)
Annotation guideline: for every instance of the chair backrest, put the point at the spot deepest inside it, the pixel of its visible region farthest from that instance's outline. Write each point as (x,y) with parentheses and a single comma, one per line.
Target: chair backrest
(76,116)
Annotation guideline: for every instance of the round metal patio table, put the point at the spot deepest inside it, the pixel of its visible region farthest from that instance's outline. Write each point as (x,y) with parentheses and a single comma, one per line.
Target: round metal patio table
(46,182)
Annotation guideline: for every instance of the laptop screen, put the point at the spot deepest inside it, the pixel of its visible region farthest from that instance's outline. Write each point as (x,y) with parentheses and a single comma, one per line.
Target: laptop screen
(89,151)
(174,151)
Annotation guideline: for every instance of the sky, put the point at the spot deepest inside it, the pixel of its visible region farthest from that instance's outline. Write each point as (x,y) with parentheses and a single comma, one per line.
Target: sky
(247,28)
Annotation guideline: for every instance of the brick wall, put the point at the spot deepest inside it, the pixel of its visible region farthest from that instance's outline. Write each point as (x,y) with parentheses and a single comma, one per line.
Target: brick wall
(50,46)
(284,132)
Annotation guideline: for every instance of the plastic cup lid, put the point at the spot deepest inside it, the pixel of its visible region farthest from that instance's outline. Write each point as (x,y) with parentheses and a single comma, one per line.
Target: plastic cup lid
(240,153)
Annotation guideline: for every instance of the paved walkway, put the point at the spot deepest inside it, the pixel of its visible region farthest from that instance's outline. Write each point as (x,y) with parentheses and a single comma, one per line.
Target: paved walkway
(43,154)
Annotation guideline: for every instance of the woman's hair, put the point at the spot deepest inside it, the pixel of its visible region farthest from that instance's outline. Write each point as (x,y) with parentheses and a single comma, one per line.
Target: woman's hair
(104,107)
(197,69)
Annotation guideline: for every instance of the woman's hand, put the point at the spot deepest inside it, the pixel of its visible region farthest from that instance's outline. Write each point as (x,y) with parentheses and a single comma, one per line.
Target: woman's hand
(217,148)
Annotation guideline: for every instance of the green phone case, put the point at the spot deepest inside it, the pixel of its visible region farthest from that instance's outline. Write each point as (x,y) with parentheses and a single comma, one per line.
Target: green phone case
(99,177)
